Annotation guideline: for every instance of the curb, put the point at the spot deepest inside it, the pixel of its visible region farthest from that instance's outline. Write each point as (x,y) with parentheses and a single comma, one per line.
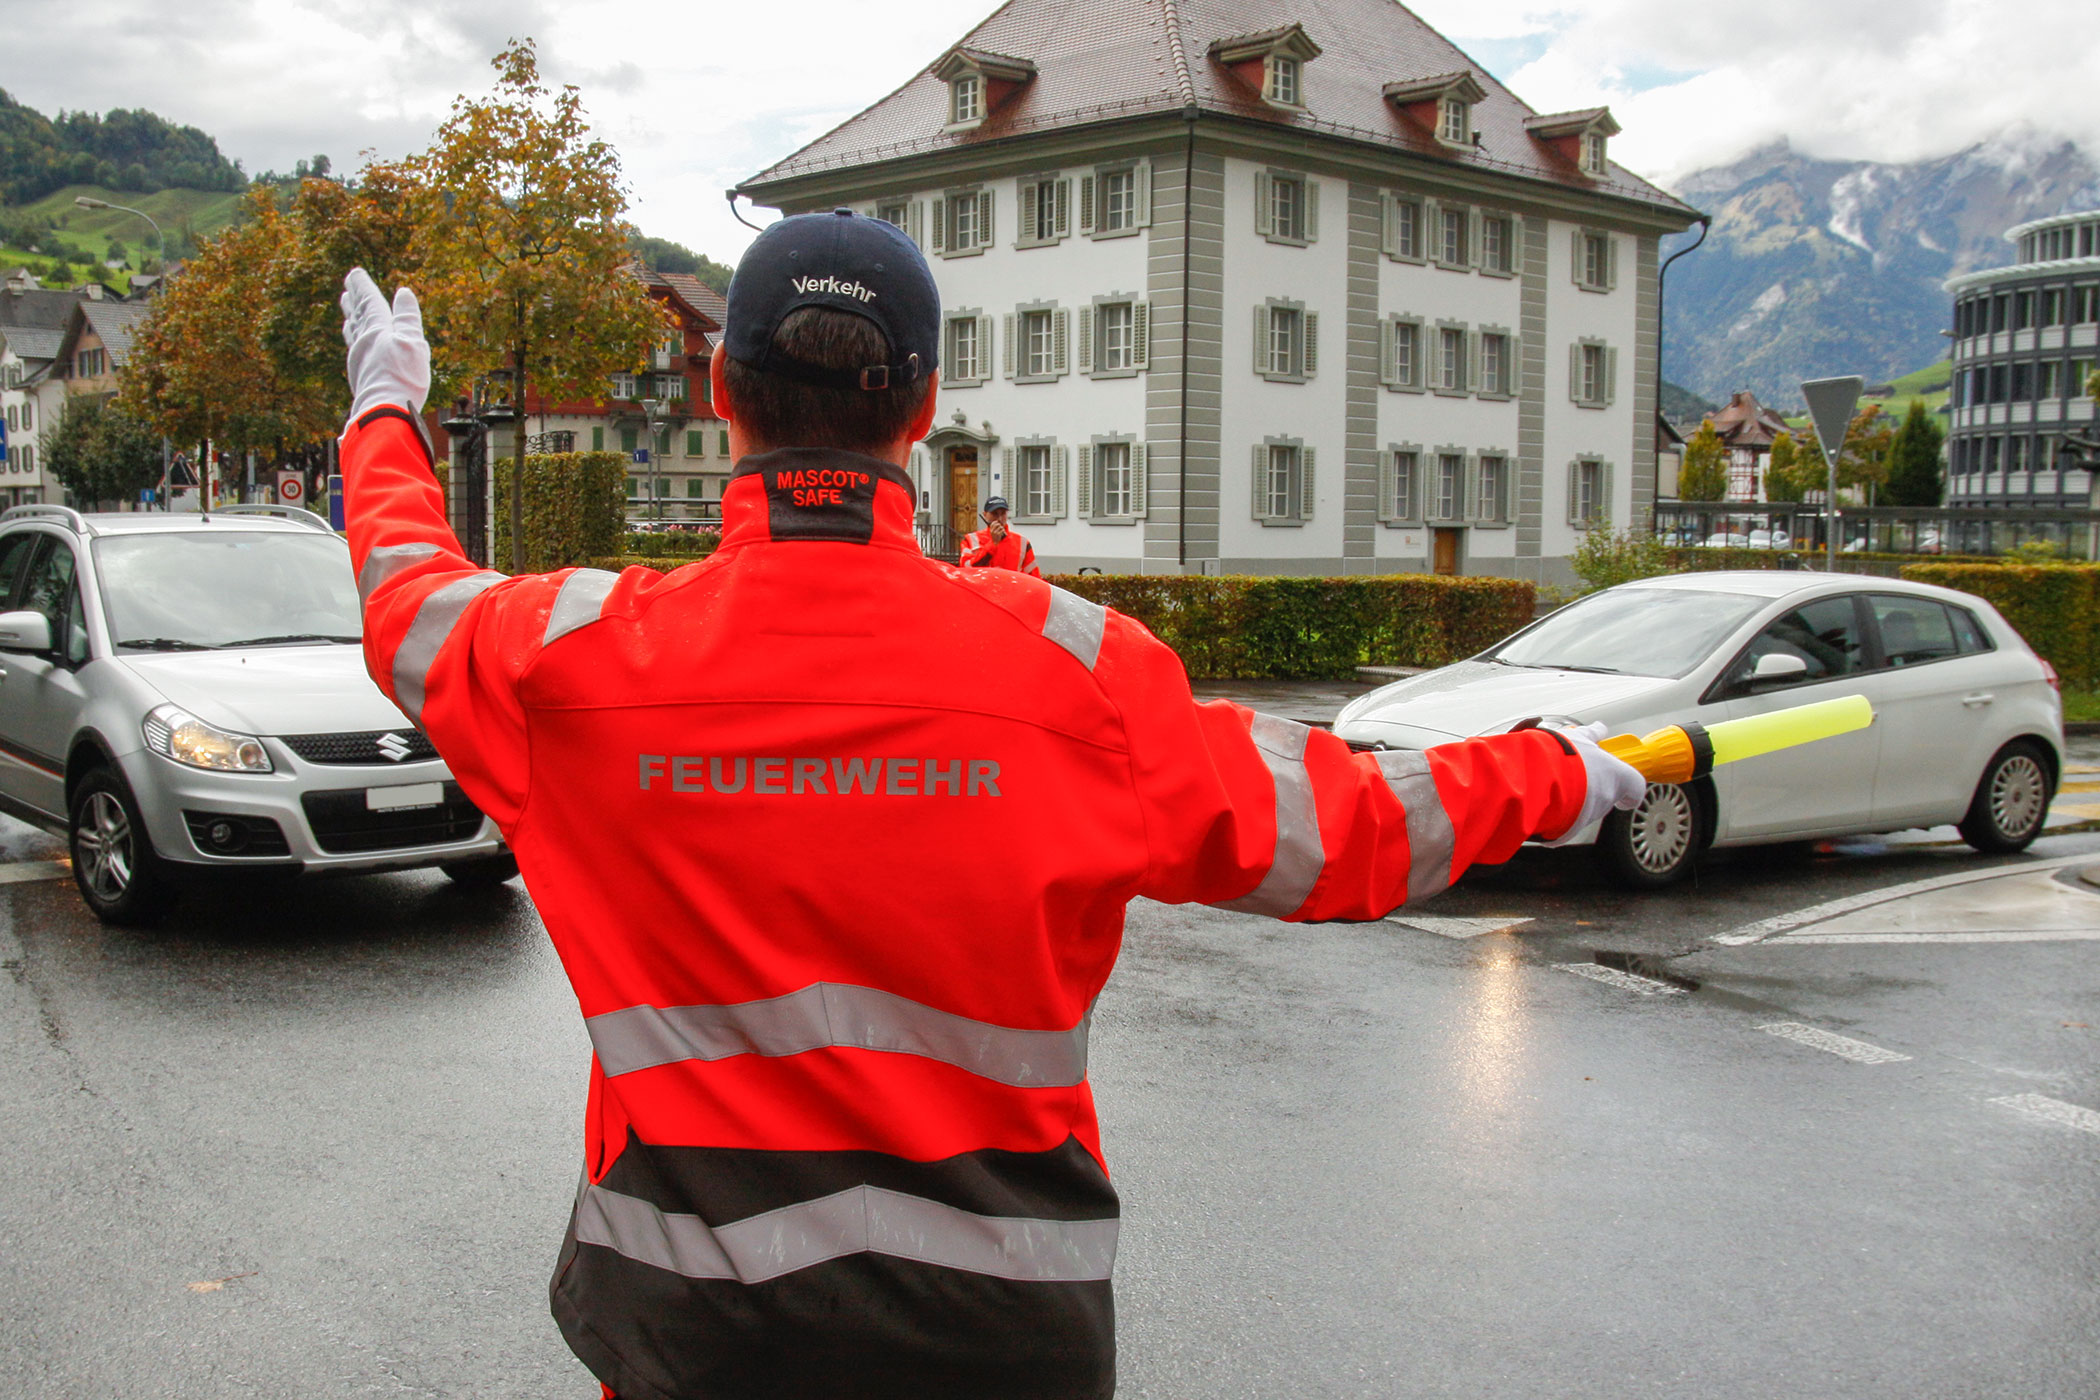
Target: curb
(2076,728)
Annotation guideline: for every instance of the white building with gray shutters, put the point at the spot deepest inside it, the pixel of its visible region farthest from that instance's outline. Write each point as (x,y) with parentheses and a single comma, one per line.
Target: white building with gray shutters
(1232,289)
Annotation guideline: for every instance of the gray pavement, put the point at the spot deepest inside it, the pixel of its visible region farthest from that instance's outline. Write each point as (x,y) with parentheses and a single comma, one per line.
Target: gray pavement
(1548,1140)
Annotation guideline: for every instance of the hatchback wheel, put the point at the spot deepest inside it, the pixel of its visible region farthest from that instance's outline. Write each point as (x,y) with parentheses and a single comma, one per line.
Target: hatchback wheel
(2011,802)
(113,861)
(1658,842)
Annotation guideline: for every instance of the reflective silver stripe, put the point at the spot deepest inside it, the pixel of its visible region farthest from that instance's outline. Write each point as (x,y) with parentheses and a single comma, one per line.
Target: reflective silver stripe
(1430,838)
(434,622)
(858,1220)
(837,1014)
(578,603)
(1076,625)
(1299,858)
(388,560)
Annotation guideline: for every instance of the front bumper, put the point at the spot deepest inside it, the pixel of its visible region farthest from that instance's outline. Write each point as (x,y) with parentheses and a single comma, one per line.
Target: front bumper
(177,803)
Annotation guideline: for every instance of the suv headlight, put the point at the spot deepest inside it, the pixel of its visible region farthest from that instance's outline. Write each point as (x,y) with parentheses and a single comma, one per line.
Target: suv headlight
(176,733)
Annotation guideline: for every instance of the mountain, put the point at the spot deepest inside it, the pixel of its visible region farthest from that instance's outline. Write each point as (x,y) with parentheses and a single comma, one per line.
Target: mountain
(134,151)
(1825,267)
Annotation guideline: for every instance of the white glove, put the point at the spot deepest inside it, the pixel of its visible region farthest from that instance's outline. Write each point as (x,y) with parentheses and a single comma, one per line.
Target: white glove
(389,359)
(1613,782)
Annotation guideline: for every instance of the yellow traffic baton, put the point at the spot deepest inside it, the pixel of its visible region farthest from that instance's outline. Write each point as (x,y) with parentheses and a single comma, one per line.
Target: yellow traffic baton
(1682,752)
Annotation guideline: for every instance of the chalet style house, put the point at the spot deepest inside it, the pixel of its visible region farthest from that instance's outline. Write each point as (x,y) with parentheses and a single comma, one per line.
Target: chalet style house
(1233,288)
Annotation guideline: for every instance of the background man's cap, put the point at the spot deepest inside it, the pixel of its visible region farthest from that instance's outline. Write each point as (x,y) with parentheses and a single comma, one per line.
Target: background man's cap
(840,260)
(996,503)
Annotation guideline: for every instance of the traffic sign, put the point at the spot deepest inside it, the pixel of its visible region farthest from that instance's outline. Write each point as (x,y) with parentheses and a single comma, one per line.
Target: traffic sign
(291,488)
(1830,406)
(641,456)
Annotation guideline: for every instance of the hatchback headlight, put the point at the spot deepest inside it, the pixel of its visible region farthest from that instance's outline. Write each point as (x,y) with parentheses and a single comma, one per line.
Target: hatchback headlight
(176,733)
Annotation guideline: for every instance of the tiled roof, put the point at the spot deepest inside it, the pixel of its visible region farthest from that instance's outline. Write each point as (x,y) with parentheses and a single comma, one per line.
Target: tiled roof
(32,342)
(1099,60)
(701,297)
(1744,422)
(114,321)
(39,307)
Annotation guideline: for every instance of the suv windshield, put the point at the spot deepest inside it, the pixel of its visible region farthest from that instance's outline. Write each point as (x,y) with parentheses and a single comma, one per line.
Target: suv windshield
(215,588)
(1634,631)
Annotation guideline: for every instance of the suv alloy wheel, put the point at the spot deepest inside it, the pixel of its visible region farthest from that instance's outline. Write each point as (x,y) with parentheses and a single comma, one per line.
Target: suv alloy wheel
(113,861)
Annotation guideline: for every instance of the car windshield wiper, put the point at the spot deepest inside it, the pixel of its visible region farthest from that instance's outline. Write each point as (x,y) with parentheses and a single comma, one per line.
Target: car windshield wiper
(164,644)
(1591,670)
(287,638)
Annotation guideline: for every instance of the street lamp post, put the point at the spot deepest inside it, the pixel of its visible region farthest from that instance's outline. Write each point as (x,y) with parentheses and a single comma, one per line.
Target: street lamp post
(650,409)
(161,240)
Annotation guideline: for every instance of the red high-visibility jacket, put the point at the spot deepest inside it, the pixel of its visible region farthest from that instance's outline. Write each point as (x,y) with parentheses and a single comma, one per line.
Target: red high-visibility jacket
(839,1140)
(981,551)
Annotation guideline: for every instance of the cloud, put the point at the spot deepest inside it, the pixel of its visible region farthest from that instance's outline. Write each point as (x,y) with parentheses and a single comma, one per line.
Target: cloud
(697,105)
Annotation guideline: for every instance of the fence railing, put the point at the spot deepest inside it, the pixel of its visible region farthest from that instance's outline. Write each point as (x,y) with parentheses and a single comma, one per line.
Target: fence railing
(1921,530)
(938,541)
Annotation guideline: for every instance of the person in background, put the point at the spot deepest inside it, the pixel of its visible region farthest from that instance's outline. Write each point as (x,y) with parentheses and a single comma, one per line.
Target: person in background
(997,546)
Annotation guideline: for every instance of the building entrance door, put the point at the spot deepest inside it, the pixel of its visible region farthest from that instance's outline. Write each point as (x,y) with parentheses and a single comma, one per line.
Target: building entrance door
(1445,546)
(962,490)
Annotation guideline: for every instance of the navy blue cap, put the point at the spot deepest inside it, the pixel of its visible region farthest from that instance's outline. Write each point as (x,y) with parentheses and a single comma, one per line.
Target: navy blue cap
(840,260)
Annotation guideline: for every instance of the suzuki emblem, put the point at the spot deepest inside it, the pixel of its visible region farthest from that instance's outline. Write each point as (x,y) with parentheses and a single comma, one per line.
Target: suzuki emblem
(393,746)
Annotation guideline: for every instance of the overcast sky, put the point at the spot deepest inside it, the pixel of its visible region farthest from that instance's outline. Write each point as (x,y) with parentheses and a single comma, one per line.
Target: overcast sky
(700,96)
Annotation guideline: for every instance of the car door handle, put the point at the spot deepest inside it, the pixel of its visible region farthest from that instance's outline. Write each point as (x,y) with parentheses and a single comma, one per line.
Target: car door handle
(1981,697)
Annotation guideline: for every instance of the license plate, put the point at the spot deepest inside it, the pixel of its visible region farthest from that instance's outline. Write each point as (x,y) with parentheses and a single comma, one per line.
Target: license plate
(395,799)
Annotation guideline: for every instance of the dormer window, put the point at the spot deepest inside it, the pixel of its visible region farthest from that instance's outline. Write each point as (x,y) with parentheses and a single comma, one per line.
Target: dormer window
(966,99)
(1455,125)
(1593,152)
(1271,62)
(978,84)
(1579,137)
(1281,86)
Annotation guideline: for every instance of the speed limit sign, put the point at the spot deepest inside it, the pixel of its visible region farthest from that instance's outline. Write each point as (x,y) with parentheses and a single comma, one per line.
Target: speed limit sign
(291,488)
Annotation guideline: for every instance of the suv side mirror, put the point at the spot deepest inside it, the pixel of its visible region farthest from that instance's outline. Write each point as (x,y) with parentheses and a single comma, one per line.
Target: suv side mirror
(25,631)
(1778,666)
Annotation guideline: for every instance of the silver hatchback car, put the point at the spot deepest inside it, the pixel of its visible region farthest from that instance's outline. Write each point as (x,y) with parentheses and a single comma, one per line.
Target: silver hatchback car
(183,697)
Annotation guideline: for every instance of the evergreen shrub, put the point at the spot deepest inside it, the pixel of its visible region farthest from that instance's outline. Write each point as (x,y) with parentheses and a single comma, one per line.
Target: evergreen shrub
(2055,607)
(575,508)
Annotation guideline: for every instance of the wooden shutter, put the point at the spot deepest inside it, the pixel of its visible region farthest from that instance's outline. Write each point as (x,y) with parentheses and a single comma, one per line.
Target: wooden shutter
(982,370)
(1309,322)
(1575,372)
(940,224)
(1086,481)
(1388,224)
(1312,211)
(1574,491)
(917,218)
(1064,207)
(1016,493)
(1086,339)
(1611,377)
(1086,204)
(1388,485)
(1060,462)
(1305,483)
(1007,350)
(1141,183)
(1262,209)
(1261,340)
(1059,329)
(1575,256)
(1025,194)
(1261,481)
(1385,351)
(1603,503)
(1141,335)
(984,218)
(1472,361)
(1137,478)
(597,439)
(1469,486)
(1611,263)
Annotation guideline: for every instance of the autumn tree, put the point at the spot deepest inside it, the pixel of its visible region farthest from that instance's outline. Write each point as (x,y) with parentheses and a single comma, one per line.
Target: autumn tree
(1864,462)
(1914,459)
(521,249)
(1787,477)
(1703,476)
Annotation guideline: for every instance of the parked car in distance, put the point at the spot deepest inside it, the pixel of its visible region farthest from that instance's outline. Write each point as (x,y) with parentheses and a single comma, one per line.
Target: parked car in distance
(1968,720)
(184,697)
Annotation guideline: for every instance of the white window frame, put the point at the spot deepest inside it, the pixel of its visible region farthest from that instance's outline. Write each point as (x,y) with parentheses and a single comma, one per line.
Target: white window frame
(950,223)
(1037,469)
(1095,326)
(956,373)
(1093,200)
(1450,373)
(1491,507)
(1593,371)
(1032,361)
(1504,385)
(1293,492)
(1299,328)
(1596,260)
(1447,244)
(1122,453)
(1296,191)
(1400,485)
(1454,122)
(624,386)
(1405,225)
(1505,225)
(1283,80)
(1036,196)
(1589,492)
(965,99)
(1593,153)
(1448,484)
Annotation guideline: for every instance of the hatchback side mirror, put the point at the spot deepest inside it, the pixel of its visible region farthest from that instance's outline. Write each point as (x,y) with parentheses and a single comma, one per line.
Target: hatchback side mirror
(1778,666)
(25,631)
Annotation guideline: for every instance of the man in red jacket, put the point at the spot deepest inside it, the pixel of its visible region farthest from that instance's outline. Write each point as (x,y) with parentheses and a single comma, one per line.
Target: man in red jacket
(839,1139)
(996,546)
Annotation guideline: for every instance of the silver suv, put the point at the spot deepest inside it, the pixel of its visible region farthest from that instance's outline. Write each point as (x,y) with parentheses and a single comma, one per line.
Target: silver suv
(184,696)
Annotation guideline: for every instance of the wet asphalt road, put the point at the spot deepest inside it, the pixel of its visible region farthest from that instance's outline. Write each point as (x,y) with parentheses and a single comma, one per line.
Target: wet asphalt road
(319,1142)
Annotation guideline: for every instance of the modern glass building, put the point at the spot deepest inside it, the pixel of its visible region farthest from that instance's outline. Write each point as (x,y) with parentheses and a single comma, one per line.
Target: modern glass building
(2024,346)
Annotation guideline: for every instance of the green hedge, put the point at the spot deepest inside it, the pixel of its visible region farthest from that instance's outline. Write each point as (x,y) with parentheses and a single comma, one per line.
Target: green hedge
(575,508)
(684,545)
(1243,628)
(662,563)
(2055,607)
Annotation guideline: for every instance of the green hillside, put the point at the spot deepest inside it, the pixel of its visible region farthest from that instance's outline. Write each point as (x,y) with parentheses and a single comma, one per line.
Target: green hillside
(30,234)
(1930,384)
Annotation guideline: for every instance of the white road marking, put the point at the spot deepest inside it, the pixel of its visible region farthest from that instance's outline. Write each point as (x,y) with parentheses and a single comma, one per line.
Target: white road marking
(2003,935)
(24,871)
(1625,981)
(1816,913)
(2044,1109)
(1456,928)
(1818,1039)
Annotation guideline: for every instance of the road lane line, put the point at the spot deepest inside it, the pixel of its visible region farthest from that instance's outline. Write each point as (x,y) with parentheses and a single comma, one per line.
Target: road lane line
(1818,1039)
(2003,935)
(1816,913)
(2044,1109)
(1625,981)
(25,871)
(1457,928)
